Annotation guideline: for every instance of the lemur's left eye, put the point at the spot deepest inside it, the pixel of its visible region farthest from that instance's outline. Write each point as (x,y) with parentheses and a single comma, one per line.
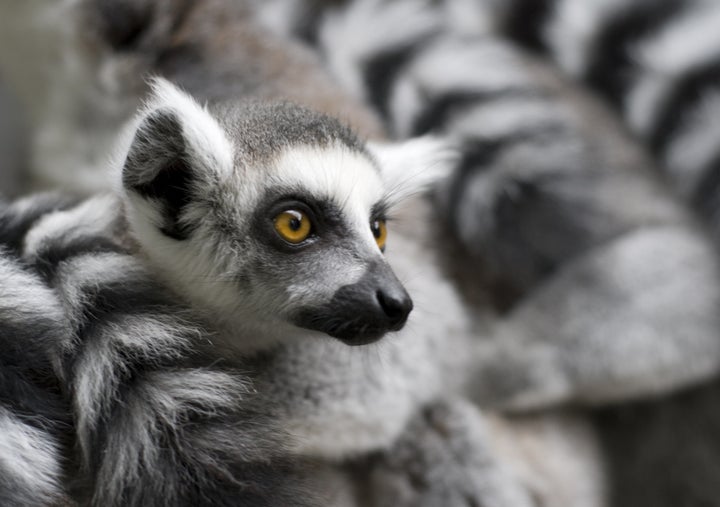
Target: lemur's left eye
(293,226)
(379,230)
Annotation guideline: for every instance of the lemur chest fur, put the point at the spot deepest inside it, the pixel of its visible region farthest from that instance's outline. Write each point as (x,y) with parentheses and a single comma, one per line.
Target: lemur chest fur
(348,400)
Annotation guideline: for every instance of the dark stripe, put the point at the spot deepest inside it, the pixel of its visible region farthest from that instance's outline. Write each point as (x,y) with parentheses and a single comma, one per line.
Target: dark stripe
(34,397)
(14,225)
(525,22)
(441,108)
(306,25)
(109,305)
(611,68)
(122,24)
(114,298)
(476,156)
(382,70)
(479,155)
(128,25)
(706,196)
(683,100)
(30,341)
(54,252)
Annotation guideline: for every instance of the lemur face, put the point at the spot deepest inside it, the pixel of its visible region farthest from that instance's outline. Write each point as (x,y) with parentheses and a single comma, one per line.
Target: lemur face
(272,217)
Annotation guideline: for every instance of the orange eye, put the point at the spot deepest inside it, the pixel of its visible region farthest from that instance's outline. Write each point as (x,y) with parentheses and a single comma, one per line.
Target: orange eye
(293,226)
(379,230)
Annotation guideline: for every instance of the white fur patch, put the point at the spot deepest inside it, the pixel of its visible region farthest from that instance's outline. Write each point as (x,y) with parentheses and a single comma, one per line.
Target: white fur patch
(22,295)
(344,34)
(411,167)
(93,216)
(445,67)
(473,17)
(688,42)
(336,173)
(205,139)
(572,30)
(31,457)
(505,117)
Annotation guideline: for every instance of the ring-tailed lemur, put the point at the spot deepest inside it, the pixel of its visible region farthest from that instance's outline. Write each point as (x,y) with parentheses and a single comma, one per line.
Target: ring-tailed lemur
(535,228)
(161,415)
(191,179)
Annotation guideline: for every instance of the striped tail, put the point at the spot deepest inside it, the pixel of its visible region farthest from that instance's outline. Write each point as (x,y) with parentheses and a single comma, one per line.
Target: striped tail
(35,426)
(155,422)
(657,62)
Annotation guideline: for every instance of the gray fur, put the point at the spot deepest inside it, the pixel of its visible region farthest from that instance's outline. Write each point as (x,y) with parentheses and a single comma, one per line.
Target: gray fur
(317,390)
(445,457)
(609,297)
(534,181)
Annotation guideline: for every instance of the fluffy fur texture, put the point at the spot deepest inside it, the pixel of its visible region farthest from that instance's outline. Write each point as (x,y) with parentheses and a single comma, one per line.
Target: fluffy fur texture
(162,413)
(655,61)
(34,417)
(155,421)
(532,161)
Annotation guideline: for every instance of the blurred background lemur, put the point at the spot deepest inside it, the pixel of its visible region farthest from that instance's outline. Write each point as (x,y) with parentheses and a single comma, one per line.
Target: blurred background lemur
(589,283)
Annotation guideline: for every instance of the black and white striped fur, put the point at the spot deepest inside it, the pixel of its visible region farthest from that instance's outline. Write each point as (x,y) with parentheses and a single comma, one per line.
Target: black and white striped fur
(166,414)
(148,419)
(35,423)
(192,180)
(655,61)
(667,214)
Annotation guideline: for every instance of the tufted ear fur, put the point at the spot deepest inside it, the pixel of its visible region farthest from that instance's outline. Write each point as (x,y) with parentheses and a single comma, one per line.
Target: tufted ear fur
(176,147)
(410,167)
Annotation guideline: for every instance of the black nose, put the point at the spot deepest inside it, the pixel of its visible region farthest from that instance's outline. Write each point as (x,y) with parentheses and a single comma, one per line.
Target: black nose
(361,312)
(397,305)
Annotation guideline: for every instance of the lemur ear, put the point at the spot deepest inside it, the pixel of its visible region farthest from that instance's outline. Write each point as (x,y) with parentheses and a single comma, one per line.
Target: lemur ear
(176,147)
(410,167)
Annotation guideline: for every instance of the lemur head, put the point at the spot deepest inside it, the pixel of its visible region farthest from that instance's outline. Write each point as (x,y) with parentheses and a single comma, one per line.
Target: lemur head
(271,217)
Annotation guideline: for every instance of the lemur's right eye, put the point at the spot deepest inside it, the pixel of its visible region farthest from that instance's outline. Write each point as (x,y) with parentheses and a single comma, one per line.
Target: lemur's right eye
(293,226)
(379,230)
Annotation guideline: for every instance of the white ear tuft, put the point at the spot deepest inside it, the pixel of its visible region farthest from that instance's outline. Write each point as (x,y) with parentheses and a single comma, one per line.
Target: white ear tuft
(410,167)
(176,149)
(205,138)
